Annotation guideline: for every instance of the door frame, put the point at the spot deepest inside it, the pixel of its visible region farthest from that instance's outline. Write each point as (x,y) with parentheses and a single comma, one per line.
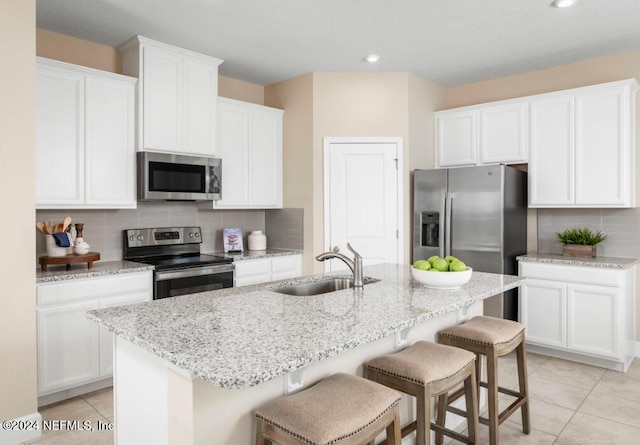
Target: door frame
(399,143)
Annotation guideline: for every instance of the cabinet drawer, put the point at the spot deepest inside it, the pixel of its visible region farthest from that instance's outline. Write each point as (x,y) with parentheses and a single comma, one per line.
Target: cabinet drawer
(285,263)
(50,293)
(253,267)
(572,274)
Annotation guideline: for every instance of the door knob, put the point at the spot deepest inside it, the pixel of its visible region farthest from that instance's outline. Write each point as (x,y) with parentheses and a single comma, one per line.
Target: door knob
(335,249)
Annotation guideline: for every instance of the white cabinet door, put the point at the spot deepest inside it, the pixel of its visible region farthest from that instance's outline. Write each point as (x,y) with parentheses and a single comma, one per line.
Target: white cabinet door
(503,133)
(265,159)
(178,96)
(551,157)
(593,320)
(67,346)
(162,104)
(200,89)
(252,271)
(106,337)
(286,267)
(602,147)
(110,143)
(456,138)
(233,148)
(85,152)
(544,312)
(249,141)
(59,137)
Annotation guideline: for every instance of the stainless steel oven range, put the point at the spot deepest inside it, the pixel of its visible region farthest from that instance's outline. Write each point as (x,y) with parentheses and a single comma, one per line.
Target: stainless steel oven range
(175,254)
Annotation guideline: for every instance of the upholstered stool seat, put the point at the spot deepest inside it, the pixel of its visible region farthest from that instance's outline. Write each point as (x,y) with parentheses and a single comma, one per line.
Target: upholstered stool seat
(342,409)
(493,338)
(426,370)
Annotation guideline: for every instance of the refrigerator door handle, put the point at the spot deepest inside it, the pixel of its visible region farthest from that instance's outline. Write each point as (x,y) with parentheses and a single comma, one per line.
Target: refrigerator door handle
(443,226)
(447,230)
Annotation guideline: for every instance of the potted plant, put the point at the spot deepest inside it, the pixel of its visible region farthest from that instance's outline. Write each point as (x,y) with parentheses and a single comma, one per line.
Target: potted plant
(580,242)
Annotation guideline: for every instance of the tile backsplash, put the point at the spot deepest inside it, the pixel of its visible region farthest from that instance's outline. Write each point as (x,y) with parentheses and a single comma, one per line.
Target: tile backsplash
(103,228)
(621,225)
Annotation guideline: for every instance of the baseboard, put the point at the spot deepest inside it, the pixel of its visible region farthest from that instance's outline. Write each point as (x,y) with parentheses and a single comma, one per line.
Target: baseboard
(21,429)
(638,349)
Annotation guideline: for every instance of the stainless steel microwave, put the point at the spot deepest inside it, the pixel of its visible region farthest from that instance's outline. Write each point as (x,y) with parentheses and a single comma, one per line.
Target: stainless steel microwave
(172,177)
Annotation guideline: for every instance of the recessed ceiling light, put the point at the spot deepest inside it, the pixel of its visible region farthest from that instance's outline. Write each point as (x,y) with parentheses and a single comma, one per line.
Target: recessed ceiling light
(372,58)
(563,3)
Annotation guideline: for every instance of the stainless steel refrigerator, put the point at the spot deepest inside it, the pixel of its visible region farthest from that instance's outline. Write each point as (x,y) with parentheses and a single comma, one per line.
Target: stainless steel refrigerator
(477,214)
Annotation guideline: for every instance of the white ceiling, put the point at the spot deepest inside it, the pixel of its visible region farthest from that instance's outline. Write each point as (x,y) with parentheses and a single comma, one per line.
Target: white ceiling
(450,42)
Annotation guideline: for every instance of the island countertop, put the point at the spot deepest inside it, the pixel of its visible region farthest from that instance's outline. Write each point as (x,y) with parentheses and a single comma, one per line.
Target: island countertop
(241,337)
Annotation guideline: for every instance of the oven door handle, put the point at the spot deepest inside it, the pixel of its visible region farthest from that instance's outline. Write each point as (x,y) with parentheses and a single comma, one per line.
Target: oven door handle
(193,272)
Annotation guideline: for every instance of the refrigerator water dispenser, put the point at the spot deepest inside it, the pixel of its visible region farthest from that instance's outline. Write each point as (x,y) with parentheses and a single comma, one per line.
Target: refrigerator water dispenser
(430,229)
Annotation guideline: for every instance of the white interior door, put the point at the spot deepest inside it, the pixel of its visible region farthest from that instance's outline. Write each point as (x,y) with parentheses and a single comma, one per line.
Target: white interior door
(363,193)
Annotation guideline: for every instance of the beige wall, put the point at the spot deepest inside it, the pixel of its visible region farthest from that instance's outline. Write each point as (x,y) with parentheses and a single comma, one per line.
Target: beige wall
(323,105)
(18,385)
(348,105)
(296,96)
(53,45)
(573,75)
(240,90)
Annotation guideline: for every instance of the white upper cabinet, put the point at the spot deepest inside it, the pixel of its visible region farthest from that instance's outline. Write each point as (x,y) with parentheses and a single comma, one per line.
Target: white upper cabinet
(482,134)
(582,147)
(249,141)
(457,138)
(177,95)
(85,146)
(503,133)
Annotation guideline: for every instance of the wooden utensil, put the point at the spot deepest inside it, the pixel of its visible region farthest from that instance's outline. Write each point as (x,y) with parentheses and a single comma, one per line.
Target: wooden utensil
(58,228)
(47,227)
(66,223)
(40,226)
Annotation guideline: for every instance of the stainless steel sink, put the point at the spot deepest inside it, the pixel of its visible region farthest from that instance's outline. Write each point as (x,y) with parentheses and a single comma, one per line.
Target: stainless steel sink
(318,287)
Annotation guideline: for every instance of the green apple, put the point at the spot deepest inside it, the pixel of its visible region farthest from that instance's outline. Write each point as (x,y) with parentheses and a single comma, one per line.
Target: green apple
(433,259)
(450,259)
(440,265)
(433,270)
(422,265)
(457,266)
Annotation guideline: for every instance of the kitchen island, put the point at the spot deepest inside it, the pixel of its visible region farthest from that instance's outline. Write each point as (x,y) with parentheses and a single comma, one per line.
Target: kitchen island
(192,369)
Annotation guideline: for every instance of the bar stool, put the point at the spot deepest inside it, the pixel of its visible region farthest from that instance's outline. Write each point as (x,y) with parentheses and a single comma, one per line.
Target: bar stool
(493,338)
(426,370)
(342,409)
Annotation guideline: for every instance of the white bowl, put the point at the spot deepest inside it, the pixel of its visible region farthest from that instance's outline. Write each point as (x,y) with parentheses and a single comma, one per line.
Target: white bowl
(442,280)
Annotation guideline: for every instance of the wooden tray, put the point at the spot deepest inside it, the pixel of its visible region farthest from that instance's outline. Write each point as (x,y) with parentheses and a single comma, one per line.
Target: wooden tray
(73,258)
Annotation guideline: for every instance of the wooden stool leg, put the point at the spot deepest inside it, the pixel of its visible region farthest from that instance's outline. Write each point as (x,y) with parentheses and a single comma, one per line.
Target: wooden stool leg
(423,417)
(478,375)
(441,416)
(471,399)
(259,438)
(394,436)
(492,392)
(524,387)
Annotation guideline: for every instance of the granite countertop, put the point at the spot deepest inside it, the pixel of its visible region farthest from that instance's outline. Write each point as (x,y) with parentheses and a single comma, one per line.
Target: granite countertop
(59,272)
(599,261)
(240,337)
(255,254)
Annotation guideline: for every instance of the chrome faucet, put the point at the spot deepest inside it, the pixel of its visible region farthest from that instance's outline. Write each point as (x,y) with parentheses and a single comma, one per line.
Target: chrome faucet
(355,265)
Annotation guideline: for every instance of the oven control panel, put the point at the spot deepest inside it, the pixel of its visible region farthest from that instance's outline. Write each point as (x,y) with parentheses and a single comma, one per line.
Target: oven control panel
(164,236)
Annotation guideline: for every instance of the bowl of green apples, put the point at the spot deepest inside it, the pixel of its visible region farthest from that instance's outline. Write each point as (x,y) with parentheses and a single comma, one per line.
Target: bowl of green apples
(441,273)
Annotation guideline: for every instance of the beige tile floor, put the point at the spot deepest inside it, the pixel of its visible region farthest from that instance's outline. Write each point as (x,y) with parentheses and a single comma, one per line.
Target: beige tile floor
(571,404)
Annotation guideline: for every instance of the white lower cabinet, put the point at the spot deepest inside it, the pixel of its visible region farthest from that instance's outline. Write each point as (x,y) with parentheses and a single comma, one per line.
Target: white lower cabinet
(267,269)
(580,313)
(72,350)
